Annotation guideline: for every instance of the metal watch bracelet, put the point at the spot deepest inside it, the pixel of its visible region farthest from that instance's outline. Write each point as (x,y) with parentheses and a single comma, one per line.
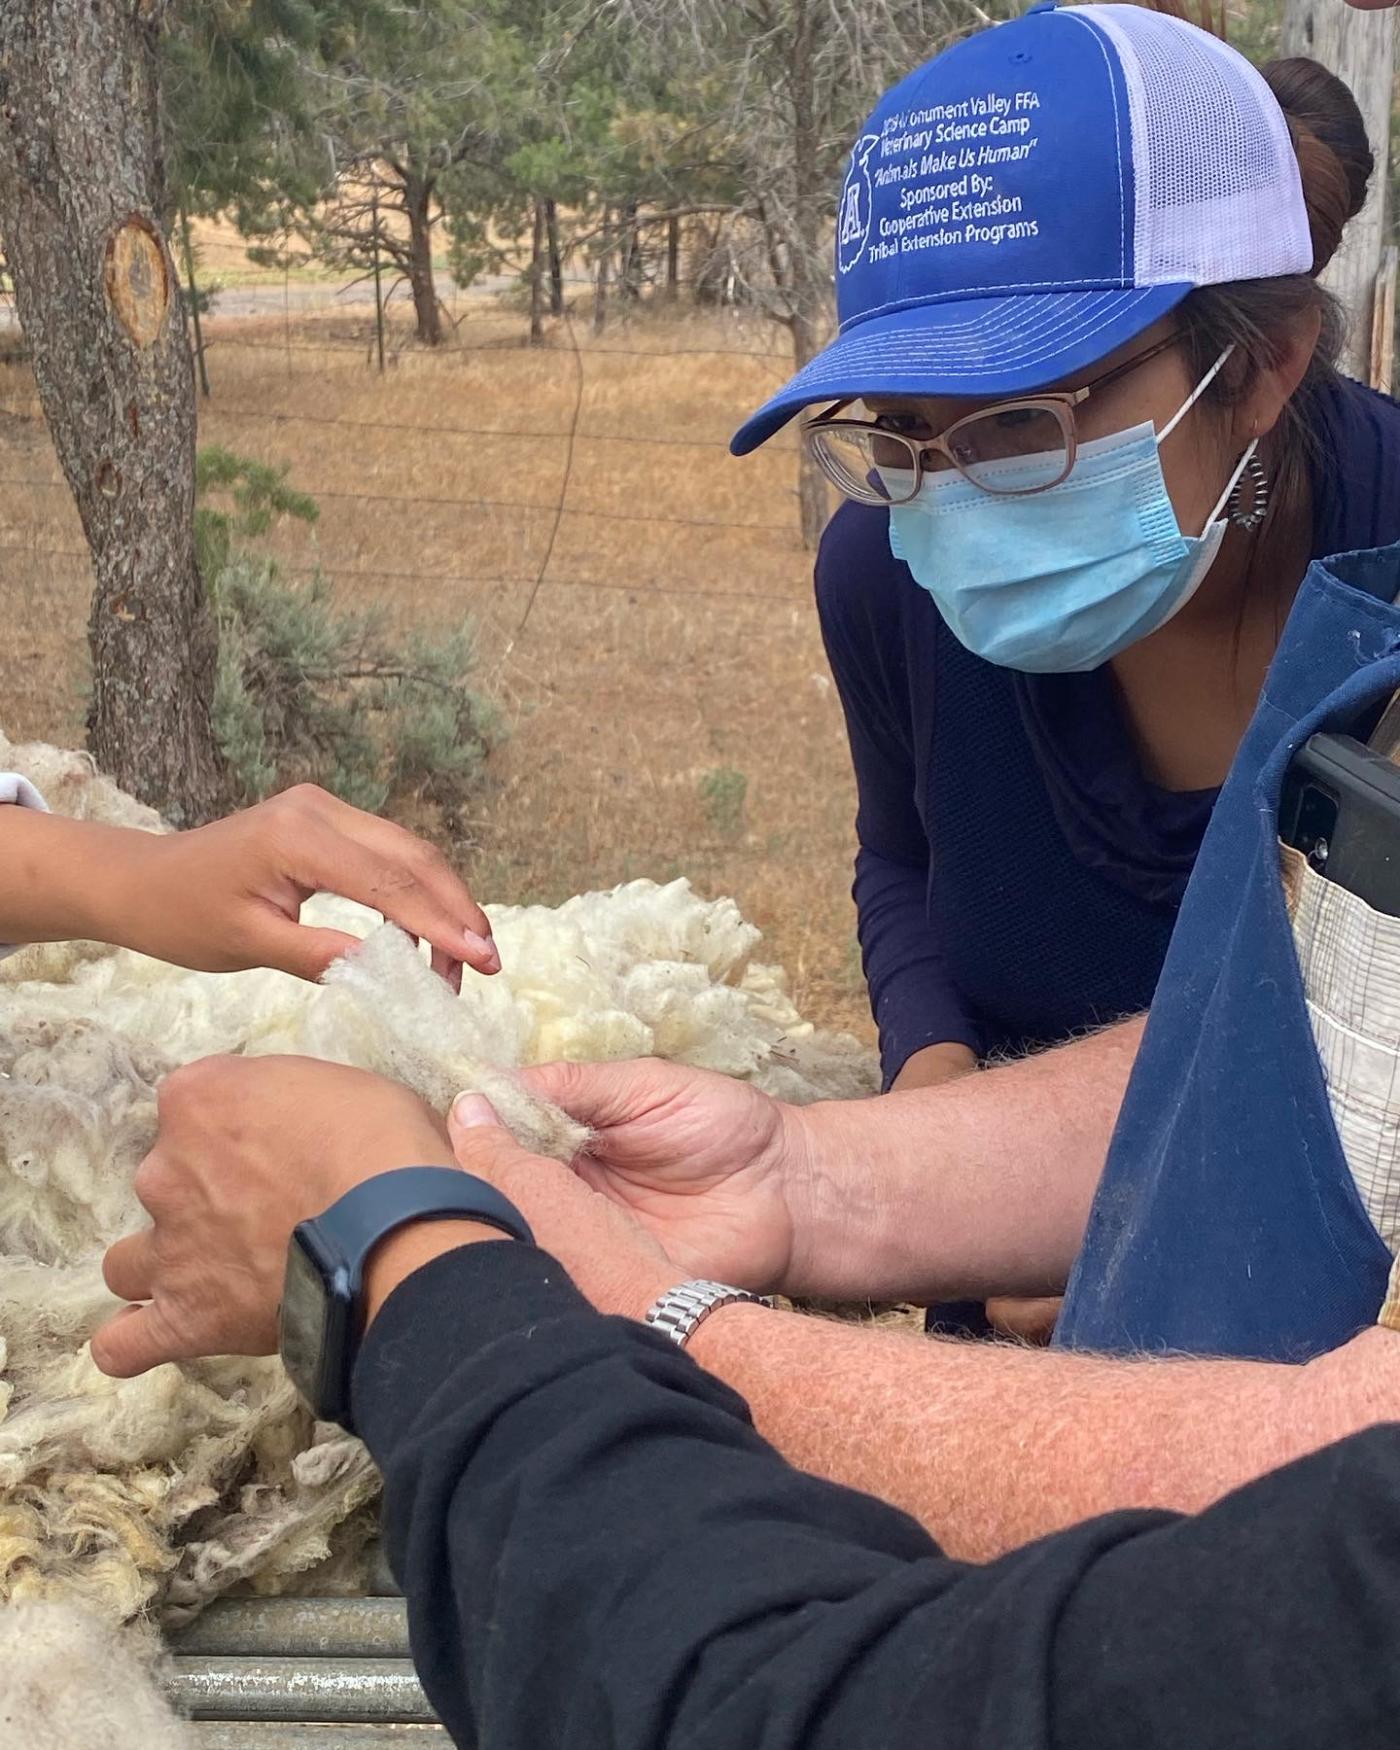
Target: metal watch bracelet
(681,1309)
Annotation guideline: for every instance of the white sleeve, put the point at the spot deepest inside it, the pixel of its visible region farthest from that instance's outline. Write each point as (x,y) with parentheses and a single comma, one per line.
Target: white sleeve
(18,790)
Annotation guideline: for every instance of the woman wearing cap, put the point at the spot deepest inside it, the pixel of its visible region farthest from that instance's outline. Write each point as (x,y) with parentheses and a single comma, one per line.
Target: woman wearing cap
(1092,437)
(1085,409)
(1091,449)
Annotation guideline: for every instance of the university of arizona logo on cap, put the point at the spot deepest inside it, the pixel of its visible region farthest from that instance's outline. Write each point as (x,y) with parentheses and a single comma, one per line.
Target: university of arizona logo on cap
(857,206)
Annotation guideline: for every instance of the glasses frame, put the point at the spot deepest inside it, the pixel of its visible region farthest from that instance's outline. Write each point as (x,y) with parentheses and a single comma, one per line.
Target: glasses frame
(1059,403)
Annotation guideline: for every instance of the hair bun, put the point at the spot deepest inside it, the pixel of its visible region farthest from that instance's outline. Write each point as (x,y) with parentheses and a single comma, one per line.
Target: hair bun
(1335,159)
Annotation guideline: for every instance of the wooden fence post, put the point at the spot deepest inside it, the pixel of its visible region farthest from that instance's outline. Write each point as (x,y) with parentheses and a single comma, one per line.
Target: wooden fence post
(1359,47)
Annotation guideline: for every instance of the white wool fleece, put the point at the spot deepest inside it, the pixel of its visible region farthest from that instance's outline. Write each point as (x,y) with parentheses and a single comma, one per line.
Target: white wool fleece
(70,1679)
(151,1496)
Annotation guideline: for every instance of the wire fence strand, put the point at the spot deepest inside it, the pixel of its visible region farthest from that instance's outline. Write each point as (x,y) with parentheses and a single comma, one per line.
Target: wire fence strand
(432,428)
(321,354)
(557,509)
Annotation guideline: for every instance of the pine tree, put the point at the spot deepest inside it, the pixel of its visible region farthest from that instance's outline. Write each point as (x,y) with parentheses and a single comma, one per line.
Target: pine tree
(403,96)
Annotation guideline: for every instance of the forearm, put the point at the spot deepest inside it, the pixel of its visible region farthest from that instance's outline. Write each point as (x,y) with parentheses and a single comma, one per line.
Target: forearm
(596,1547)
(598,1550)
(989,1446)
(977,1187)
(63,879)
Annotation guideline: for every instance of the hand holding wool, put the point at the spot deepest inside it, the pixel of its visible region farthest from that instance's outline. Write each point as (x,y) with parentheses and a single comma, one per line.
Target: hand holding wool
(247,1148)
(707,1165)
(609,1254)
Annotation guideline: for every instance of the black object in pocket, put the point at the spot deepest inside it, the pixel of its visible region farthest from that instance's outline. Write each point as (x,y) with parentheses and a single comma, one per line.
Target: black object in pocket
(1341,808)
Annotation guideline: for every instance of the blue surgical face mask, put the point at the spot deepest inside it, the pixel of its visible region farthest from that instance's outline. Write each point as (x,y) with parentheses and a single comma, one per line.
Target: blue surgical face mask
(1060,581)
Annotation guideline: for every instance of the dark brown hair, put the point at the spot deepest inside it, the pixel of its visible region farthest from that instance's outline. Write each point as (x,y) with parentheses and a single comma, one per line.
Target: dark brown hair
(1261,318)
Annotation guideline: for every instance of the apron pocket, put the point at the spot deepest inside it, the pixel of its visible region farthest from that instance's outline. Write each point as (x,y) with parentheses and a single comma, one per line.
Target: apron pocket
(1349,956)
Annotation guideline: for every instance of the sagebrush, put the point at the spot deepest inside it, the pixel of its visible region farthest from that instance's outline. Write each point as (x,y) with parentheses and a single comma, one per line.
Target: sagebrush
(307,691)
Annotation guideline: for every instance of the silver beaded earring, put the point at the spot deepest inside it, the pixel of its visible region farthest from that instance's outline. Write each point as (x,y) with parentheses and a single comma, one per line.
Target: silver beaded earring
(1248,514)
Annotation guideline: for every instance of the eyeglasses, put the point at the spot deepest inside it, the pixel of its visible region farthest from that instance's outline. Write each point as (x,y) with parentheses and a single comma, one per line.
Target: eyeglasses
(1010,449)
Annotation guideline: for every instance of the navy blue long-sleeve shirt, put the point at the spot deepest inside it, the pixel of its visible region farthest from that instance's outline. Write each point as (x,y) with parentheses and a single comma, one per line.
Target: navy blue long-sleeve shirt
(1017,877)
(600,1553)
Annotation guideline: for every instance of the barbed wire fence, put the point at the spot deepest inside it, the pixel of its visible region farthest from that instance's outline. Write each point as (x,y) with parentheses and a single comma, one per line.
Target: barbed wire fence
(618,597)
(340,307)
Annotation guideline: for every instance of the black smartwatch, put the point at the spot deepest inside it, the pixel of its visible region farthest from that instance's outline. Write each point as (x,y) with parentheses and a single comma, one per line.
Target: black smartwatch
(322,1317)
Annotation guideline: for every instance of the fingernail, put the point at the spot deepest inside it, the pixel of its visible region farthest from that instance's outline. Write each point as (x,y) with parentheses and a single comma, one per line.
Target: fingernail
(482,950)
(470,1111)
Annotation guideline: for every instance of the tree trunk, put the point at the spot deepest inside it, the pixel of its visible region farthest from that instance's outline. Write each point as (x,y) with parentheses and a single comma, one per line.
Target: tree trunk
(537,253)
(194,304)
(673,259)
(813,498)
(417,201)
(1359,47)
(82,194)
(376,240)
(629,276)
(556,260)
(600,292)
(809,294)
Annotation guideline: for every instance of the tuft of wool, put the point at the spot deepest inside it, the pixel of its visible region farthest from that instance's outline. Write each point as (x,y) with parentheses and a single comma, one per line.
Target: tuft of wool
(147,1497)
(383,1009)
(71,784)
(70,1679)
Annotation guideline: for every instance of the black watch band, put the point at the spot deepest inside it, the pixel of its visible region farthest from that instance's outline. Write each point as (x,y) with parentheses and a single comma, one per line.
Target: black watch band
(322,1314)
(370,1211)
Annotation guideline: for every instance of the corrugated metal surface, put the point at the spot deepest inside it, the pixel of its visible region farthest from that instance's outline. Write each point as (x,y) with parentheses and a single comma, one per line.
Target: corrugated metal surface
(302,1674)
(261,1735)
(324,1628)
(211,1687)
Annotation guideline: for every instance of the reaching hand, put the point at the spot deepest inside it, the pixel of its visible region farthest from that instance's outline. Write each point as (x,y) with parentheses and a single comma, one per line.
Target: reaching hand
(706,1164)
(228,896)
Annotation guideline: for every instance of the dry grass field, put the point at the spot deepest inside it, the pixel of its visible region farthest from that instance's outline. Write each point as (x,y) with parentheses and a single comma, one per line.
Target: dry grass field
(643,600)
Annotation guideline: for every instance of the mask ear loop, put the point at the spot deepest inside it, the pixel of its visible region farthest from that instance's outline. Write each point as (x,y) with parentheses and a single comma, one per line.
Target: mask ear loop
(1245,459)
(1194,396)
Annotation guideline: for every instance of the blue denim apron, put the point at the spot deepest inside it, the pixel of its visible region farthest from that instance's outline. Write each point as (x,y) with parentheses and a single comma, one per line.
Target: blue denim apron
(1227,1221)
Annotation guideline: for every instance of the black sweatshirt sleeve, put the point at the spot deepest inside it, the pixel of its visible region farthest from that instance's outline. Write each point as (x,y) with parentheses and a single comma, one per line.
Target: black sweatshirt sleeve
(599,1553)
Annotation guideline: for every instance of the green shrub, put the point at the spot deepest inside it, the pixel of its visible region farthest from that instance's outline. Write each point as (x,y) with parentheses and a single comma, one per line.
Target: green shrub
(308,692)
(724,792)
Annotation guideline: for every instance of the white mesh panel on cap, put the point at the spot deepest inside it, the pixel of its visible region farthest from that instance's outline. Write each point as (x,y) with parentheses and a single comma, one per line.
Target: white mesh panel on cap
(1218,196)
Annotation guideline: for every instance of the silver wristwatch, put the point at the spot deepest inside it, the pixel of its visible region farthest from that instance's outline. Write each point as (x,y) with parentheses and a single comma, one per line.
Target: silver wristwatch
(678,1312)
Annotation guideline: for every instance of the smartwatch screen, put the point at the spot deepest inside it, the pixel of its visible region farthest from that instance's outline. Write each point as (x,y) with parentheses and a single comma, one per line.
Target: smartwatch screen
(310,1322)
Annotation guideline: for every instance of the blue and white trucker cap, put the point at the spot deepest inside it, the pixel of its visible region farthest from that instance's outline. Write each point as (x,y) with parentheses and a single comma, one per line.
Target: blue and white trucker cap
(1029,200)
